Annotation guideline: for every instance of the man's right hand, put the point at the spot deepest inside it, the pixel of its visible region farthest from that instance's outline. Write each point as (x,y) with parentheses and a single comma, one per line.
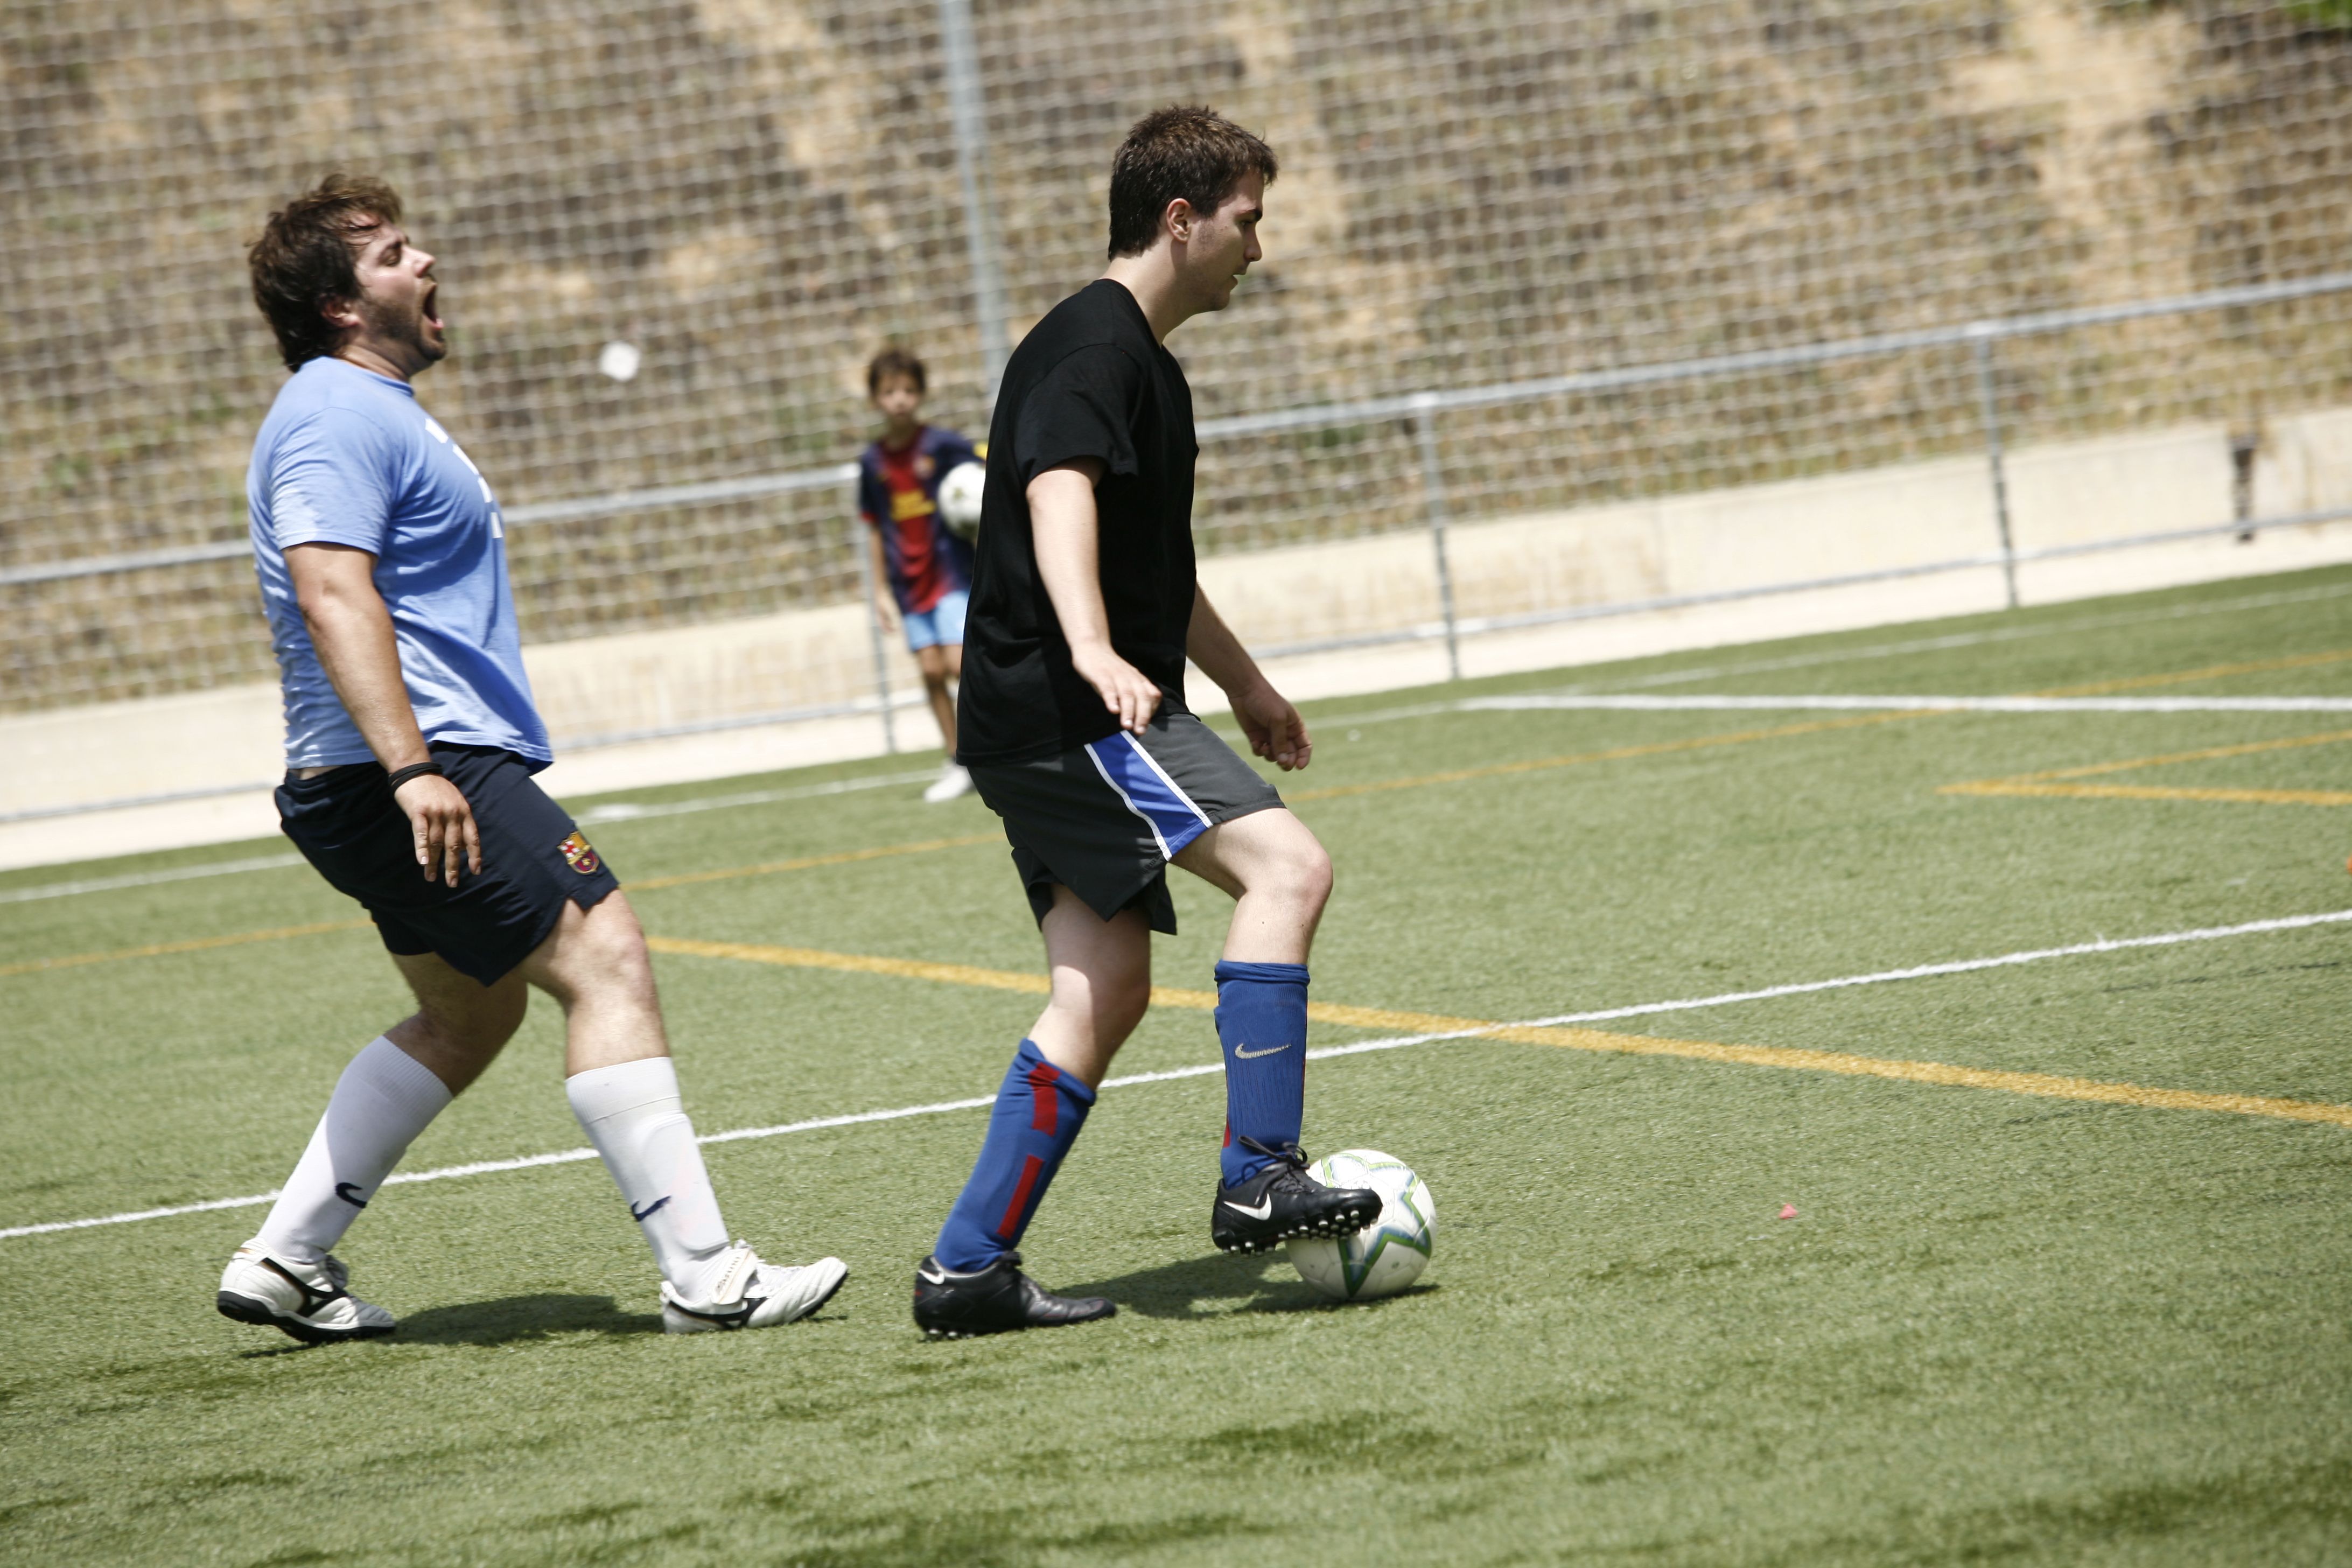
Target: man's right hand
(1125,690)
(887,613)
(443,825)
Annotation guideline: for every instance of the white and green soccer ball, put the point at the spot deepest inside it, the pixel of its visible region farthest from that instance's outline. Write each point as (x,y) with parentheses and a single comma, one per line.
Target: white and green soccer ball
(1384,1257)
(960,494)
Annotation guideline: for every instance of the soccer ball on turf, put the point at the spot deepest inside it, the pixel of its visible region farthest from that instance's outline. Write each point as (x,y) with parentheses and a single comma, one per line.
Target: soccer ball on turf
(960,499)
(1385,1256)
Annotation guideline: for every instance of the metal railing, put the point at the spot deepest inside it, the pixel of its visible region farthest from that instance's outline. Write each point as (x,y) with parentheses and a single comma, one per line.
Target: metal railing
(1420,413)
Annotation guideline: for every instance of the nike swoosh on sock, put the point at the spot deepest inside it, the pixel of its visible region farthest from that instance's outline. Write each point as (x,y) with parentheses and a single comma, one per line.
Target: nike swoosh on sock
(1250,1055)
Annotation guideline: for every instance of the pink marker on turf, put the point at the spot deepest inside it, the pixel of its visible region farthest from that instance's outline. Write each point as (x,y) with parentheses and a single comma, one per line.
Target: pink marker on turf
(1788,1211)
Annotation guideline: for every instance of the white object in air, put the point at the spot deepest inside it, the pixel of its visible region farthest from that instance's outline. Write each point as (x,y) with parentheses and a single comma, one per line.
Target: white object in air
(620,360)
(960,495)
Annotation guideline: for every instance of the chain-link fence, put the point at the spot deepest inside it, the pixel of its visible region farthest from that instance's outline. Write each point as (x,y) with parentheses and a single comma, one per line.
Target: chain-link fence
(756,194)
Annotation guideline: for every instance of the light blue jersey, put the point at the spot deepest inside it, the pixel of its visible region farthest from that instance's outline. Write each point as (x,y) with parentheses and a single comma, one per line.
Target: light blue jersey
(346,456)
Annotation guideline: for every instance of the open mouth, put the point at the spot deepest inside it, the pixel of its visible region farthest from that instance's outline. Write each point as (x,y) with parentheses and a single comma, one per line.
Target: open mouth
(432,317)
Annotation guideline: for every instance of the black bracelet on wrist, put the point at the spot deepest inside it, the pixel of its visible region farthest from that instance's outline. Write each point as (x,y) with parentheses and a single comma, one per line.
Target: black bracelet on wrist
(400,776)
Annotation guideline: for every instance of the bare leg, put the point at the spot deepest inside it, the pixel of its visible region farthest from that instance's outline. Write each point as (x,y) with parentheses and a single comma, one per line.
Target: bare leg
(942,663)
(1279,877)
(461,1025)
(1102,984)
(595,965)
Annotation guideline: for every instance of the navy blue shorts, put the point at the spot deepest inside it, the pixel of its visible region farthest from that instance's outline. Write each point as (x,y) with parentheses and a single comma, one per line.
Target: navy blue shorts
(534,859)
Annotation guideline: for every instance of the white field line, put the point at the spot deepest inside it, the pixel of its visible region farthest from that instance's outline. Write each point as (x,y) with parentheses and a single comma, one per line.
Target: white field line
(1728,998)
(147,879)
(594,815)
(1994,635)
(629,811)
(1634,703)
(1895,649)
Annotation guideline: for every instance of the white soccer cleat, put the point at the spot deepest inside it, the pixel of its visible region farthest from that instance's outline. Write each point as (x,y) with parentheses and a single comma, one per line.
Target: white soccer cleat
(311,1301)
(751,1294)
(952,782)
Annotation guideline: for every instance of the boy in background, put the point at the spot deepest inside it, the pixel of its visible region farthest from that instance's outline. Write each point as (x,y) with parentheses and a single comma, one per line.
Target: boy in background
(926,569)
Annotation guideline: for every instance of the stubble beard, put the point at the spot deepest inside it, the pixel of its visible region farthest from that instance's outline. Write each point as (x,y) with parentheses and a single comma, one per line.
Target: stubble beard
(405,325)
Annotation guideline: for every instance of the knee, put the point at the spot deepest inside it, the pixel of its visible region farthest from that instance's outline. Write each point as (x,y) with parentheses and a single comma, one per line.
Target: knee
(1300,874)
(1121,1005)
(477,1027)
(1109,1007)
(604,957)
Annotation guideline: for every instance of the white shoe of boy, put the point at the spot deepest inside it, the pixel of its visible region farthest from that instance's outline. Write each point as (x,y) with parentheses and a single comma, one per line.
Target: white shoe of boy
(310,1301)
(952,782)
(750,1294)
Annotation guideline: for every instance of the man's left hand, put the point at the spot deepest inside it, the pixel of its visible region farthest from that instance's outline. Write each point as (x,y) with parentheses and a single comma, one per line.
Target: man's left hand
(1275,731)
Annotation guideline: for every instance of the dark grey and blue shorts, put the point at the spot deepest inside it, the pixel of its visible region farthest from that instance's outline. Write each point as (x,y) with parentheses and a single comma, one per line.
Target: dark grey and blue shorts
(1104,819)
(534,859)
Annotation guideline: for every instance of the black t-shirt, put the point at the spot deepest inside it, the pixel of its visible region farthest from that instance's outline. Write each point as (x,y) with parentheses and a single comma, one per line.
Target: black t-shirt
(1088,382)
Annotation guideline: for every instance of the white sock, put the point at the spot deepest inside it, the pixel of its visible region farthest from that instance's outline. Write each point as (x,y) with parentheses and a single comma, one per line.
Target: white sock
(384,1099)
(633,1114)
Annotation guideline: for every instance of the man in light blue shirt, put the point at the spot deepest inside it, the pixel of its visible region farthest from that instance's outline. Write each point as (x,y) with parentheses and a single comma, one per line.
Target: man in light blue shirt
(347,458)
(411,741)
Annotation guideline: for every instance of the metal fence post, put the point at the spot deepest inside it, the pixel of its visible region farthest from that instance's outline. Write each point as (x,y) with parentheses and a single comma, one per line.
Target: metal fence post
(1988,404)
(1433,491)
(965,110)
(865,551)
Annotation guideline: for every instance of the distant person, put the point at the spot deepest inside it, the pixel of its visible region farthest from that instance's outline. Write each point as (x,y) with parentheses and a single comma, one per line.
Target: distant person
(1084,607)
(411,741)
(923,572)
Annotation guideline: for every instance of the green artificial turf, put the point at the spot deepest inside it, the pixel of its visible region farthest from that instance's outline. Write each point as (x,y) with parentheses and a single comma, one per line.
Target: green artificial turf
(2000,1327)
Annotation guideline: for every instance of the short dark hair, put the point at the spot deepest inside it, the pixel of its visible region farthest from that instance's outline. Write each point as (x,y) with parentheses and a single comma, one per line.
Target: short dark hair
(894,360)
(305,257)
(1181,150)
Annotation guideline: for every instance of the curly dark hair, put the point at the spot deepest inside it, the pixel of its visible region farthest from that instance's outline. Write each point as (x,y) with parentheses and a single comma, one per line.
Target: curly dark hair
(1181,150)
(306,256)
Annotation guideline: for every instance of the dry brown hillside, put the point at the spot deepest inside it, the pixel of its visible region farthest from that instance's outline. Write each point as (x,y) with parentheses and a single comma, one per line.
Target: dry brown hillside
(758,193)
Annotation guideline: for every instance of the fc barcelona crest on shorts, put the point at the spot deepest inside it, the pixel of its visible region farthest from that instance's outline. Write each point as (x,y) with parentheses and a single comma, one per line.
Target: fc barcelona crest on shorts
(578,855)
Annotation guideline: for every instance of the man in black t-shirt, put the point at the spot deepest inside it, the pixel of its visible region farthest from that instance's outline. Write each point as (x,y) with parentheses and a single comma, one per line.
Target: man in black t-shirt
(1073,724)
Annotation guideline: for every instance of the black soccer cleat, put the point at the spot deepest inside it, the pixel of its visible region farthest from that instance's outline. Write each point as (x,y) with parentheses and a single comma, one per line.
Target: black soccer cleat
(997,1299)
(1283,1203)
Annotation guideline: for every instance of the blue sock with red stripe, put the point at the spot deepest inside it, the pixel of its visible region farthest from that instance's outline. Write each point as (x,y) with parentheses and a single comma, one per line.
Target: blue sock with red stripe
(1262,1026)
(1037,1115)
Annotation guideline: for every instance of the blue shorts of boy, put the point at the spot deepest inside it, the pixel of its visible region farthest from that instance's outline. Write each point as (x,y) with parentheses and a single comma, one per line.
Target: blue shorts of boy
(941,626)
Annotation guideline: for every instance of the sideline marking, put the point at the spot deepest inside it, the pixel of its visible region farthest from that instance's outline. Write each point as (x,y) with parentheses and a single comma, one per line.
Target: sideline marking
(2050,783)
(2209,672)
(1730,704)
(1614,753)
(239,938)
(2156,792)
(147,879)
(194,945)
(630,811)
(1891,649)
(1431,1027)
(809,862)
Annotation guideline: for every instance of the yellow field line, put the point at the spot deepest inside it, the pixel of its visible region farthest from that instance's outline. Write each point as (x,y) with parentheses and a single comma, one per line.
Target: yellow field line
(1815,727)
(2207,753)
(1456,775)
(1615,754)
(2047,1086)
(809,862)
(2211,672)
(2047,782)
(194,945)
(2153,791)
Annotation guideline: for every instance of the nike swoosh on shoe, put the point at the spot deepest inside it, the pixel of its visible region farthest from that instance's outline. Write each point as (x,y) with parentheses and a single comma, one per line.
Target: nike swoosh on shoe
(1264,1207)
